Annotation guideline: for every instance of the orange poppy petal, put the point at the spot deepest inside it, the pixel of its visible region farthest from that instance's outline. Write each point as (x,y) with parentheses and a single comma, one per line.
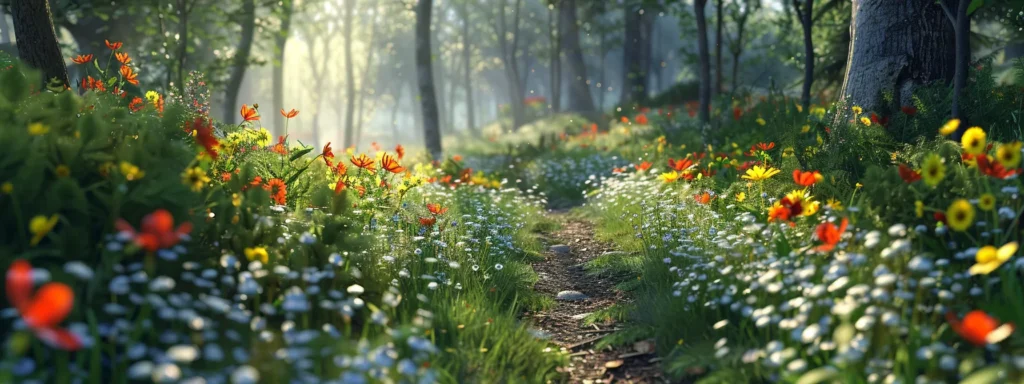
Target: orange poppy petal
(59,338)
(19,284)
(49,306)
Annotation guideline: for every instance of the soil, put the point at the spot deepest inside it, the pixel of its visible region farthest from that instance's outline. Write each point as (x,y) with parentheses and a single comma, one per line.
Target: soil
(563,322)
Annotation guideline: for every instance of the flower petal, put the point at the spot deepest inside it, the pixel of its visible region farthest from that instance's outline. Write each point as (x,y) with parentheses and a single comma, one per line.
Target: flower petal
(59,338)
(19,284)
(49,306)
(1007,251)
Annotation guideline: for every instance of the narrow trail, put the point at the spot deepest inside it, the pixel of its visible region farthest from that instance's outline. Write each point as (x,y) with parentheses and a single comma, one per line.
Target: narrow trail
(577,294)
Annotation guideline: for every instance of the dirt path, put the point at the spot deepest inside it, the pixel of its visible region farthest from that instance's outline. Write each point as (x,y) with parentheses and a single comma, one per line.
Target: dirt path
(562,270)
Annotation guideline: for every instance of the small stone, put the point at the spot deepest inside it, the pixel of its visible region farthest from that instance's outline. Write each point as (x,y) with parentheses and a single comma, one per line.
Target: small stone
(540,334)
(571,296)
(614,254)
(560,249)
(581,316)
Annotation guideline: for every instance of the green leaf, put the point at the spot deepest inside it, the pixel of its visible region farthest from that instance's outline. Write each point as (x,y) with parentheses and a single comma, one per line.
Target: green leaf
(975,4)
(298,154)
(992,374)
(14,85)
(819,375)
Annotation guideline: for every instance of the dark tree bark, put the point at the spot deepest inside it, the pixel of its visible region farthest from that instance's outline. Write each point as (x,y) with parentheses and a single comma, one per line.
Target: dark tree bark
(350,75)
(37,41)
(896,46)
(736,46)
(511,62)
(467,68)
(956,12)
(805,13)
(428,95)
(580,99)
(636,55)
(556,62)
(704,90)
(184,11)
(719,10)
(280,43)
(241,59)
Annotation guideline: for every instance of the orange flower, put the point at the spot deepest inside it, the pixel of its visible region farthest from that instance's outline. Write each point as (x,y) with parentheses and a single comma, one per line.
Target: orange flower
(43,311)
(136,104)
(129,75)
(808,178)
(390,164)
(82,59)
(427,221)
(457,158)
(290,114)
(766,146)
(113,46)
(157,231)
(249,114)
(361,189)
(641,119)
(225,176)
(624,119)
(123,57)
(278,191)
(978,328)
(341,169)
(778,212)
(436,209)
(375,146)
(280,148)
(203,131)
(340,185)
(680,165)
(702,198)
(327,154)
(363,161)
(909,175)
(400,150)
(830,235)
(643,166)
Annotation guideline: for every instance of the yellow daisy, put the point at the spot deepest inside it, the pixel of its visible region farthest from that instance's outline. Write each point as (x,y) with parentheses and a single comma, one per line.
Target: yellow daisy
(988,258)
(973,141)
(960,215)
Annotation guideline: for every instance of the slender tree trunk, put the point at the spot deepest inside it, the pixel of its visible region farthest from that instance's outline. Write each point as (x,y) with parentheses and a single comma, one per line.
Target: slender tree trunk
(428,95)
(556,62)
(184,9)
(704,91)
(511,64)
(467,68)
(805,13)
(580,99)
(737,49)
(280,42)
(896,46)
(636,55)
(719,5)
(350,74)
(241,59)
(37,40)
(367,74)
(5,28)
(962,32)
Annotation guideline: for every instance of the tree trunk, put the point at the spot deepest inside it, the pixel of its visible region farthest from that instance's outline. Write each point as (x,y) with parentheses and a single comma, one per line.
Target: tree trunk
(241,59)
(805,13)
(704,91)
(511,64)
(280,41)
(184,9)
(556,62)
(896,46)
(580,99)
(428,95)
(368,70)
(719,4)
(5,28)
(350,75)
(962,33)
(467,67)
(636,55)
(37,41)
(737,47)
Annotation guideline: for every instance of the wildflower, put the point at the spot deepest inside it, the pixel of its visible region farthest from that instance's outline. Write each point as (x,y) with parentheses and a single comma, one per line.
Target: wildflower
(327,154)
(950,127)
(236,199)
(766,146)
(857,110)
(428,221)
(987,202)
(62,171)
(7,188)
(960,215)
(834,204)
(38,129)
(740,197)
(157,231)
(806,128)
(908,175)
(280,147)
(123,57)
(702,198)
(669,177)
(624,119)
(290,114)
(129,75)
(136,104)
(778,212)
(1008,154)
(829,235)
(681,164)
(249,114)
(737,113)
(257,254)
(41,312)
(82,59)
(808,178)
(202,129)
(988,258)
(909,110)
(759,173)
(389,164)
(130,171)
(641,119)
(113,46)
(195,178)
(933,170)
(919,209)
(978,328)
(642,166)
(400,150)
(278,191)
(363,161)
(973,141)
(760,121)
(40,226)
(991,168)
(436,209)
(866,121)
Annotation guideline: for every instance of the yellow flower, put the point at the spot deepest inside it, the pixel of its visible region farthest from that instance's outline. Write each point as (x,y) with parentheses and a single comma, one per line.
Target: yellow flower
(37,129)
(62,171)
(234,219)
(859,185)
(919,209)
(1009,154)
(806,128)
(933,170)
(262,137)
(811,208)
(988,258)
(799,108)
(834,204)
(865,121)
(819,140)
(236,199)
(7,188)
(740,197)
(950,127)
(857,110)
(40,226)
(760,121)
(152,97)
(669,177)
(973,141)
(818,111)
(257,254)
(788,152)
(195,178)
(960,215)
(986,202)
(130,171)
(759,173)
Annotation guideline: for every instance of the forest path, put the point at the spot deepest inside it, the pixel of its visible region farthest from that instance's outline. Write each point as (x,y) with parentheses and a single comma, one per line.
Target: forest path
(578,294)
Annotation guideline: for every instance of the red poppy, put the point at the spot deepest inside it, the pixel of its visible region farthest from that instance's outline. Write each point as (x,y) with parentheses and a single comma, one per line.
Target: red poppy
(992,168)
(50,305)
(390,164)
(909,175)
(436,209)
(157,232)
(203,131)
(113,46)
(806,179)
(641,119)
(643,166)
(909,110)
(327,153)
(737,113)
(978,328)
(778,212)
(129,75)
(829,235)
(400,150)
(680,165)
(290,114)
(363,161)
(82,59)
(249,114)
(123,57)
(624,119)
(702,198)
(278,191)
(428,221)
(940,217)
